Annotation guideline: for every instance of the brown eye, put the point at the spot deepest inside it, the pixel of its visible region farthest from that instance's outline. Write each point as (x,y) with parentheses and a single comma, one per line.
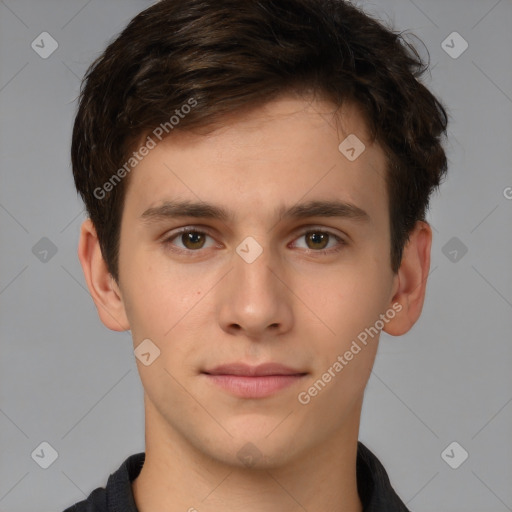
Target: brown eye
(317,240)
(193,240)
(188,240)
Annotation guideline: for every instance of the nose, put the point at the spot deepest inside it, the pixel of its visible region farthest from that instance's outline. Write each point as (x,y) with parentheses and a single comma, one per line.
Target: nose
(255,300)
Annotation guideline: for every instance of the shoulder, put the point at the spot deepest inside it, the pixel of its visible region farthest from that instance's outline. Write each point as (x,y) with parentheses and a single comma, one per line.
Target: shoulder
(96,502)
(374,486)
(117,496)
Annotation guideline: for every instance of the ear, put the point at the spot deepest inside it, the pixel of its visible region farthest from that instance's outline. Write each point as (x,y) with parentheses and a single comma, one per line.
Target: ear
(103,289)
(411,280)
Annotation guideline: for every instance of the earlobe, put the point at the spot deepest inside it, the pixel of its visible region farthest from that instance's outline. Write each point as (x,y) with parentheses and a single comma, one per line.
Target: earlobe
(102,286)
(412,280)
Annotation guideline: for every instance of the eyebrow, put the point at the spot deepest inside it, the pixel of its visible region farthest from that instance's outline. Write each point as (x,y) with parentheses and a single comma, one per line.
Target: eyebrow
(176,209)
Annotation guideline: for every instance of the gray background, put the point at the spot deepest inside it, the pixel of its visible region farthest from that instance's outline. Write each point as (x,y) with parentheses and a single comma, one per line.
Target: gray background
(67,380)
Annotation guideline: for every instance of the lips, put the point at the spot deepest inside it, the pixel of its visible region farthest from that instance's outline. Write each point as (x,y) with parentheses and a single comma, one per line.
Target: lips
(246,381)
(246,370)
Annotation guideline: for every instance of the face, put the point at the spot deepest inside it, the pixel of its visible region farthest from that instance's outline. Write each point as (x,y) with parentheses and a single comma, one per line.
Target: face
(292,272)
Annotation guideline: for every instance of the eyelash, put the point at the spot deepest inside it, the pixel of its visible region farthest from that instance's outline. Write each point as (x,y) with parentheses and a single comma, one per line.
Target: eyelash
(167,242)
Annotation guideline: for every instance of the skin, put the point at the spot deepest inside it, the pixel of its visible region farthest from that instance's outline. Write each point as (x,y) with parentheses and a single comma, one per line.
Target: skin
(292,305)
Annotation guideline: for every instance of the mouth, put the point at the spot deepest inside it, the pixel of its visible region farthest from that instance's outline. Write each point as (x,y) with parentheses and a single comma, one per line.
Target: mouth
(247,381)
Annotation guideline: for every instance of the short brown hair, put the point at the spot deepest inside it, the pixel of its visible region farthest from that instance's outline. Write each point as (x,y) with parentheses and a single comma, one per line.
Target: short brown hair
(230,55)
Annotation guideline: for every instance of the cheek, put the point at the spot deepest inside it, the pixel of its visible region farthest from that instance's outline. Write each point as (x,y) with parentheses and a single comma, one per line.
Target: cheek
(344,354)
(349,306)
(353,296)
(159,295)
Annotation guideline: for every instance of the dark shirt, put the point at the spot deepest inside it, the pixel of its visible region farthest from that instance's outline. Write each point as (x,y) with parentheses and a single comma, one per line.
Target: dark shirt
(373,486)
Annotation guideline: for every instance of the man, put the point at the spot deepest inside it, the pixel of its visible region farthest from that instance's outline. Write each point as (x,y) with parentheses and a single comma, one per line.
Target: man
(256,176)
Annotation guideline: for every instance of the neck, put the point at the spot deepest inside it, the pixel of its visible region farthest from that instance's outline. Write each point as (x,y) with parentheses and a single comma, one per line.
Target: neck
(176,477)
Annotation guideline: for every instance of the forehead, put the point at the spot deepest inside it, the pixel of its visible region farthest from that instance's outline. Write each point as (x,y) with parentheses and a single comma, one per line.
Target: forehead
(259,163)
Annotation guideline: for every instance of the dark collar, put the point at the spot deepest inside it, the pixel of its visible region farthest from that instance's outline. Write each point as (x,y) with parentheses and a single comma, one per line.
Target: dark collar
(373,485)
